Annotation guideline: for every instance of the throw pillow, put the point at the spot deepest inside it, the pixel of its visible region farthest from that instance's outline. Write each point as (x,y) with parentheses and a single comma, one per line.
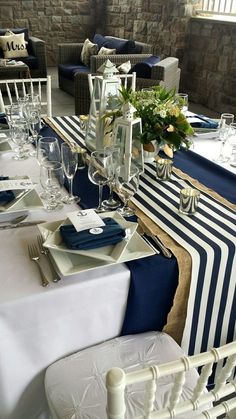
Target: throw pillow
(144,69)
(106,51)
(122,46)
(13,45)
(88,49)
(124,68)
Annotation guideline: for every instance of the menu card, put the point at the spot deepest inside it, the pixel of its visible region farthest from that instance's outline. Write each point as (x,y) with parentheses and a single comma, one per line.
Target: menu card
(85,219)
(16,184)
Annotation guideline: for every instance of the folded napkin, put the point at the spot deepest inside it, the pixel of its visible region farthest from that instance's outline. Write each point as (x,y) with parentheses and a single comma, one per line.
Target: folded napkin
(201,121)
(6,196)
(83,240)
(3,119)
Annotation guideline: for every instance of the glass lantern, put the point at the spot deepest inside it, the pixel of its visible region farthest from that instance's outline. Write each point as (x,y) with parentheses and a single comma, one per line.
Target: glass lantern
(126,132)
(104,98)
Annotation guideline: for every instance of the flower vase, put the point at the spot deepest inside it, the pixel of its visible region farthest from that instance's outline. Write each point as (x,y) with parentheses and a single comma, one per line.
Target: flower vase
(150,151)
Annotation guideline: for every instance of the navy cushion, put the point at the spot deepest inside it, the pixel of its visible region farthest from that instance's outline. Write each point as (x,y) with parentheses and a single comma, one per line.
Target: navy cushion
(68,70)
(144,69)
(121,46)
(30,61)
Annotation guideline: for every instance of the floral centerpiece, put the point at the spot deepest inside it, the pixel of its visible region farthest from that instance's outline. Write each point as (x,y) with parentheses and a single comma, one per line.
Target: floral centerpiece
(162,120)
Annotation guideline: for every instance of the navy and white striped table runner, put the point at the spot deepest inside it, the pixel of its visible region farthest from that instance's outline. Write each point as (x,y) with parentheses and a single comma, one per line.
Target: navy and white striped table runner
(209,236)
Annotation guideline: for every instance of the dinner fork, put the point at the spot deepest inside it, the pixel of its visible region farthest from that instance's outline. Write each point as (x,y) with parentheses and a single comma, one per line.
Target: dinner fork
(35,256)
(45,252)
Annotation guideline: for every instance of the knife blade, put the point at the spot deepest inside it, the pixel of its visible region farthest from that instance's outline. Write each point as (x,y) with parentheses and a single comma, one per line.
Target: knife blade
(23,224)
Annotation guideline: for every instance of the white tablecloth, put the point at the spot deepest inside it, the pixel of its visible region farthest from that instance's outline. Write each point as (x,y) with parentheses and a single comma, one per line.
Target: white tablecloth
(40,325)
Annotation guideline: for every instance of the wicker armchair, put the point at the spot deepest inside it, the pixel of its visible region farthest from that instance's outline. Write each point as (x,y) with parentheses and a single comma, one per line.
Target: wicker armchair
(70,54)
(165,73)
(36,61)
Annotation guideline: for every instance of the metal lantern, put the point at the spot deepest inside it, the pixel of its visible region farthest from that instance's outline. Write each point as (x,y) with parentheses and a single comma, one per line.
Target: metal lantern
(104,98)
(126,132)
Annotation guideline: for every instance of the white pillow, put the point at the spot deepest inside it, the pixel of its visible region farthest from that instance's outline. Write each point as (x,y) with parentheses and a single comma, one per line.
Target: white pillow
(125,67)
(13,45)
(88,49)
(106,51)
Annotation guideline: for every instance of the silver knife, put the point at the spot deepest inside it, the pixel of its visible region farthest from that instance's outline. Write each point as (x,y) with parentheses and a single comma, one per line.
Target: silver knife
(23,224)
(166,252)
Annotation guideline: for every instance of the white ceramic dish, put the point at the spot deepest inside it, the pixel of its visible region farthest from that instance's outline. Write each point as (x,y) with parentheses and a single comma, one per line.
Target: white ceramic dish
(4,144)
(68,263)
(30,201)
(106,253)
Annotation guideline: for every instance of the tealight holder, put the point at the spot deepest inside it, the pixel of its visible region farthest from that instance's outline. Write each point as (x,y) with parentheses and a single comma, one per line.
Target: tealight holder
(164,169)
(189,199)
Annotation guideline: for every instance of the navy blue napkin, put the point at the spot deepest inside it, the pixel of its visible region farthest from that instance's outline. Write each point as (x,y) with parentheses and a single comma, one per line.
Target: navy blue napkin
(6,196)
(3,119)
(84,240)
(203,122)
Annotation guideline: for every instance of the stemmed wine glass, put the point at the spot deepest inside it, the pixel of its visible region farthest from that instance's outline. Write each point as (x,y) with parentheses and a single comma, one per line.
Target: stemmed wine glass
(19,136)
(52,180)
(70,165)
(111,203)
(224,130)
(100,172)
(127,184)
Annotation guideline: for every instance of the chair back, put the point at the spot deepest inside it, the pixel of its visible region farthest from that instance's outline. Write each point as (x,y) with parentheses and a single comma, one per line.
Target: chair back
(127,80)
(218,362)
(13,89)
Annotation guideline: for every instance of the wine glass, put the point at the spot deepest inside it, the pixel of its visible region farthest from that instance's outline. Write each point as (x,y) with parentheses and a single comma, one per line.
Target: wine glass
(48,148)
(232,143)
(127,184)
(52,180)
(70,165)
(100,172)
(19,136)
(111,203)
(224,129)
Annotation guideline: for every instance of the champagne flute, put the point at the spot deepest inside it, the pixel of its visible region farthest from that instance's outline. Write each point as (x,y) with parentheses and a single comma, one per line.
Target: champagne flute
(70,165)
(100,172)
(111,203)
(224,129)
(127,184)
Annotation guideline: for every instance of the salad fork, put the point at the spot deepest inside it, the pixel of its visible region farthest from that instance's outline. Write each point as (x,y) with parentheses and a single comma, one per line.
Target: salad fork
(35,256)
(45,252)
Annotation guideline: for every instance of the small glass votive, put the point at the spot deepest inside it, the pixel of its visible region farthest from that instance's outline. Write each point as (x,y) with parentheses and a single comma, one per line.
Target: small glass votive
(83,120)
(189,198)
(164,169)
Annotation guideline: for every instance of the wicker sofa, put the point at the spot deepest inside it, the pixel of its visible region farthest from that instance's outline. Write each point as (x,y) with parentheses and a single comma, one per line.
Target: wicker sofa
(36,61)
(69,61)
(166,73)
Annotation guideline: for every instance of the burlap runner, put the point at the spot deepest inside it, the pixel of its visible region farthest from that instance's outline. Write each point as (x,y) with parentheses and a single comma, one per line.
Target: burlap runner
(177,315)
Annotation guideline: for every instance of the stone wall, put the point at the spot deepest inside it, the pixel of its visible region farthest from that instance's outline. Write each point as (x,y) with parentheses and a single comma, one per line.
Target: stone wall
(54,21)
(209,66)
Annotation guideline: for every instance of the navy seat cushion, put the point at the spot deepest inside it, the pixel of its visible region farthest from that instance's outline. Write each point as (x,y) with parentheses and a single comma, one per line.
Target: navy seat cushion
(121,46)
(144,69)
(68,70)
(30,61)
(17,31)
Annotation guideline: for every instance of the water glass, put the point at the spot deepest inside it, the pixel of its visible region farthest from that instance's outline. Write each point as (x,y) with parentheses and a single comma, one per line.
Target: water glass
(111,203)
(226,120)
(52,180)
(48,149)
(70,164)
(127,184)
(182,99)
(19,135)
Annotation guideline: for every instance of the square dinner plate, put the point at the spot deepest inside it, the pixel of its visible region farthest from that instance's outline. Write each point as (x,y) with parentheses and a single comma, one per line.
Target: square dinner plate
(67,263)
(110,253)
(25,202)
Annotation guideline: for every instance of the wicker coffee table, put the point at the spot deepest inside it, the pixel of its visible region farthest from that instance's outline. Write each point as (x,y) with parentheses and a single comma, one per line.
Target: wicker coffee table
(14,71)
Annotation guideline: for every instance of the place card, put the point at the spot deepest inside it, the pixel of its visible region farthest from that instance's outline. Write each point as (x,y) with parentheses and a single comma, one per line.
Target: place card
(85,219)
(16,184)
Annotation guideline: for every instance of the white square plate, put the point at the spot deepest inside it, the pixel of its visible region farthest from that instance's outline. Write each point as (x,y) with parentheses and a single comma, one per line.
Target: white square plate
(110,253)
(29,201)
(68,263)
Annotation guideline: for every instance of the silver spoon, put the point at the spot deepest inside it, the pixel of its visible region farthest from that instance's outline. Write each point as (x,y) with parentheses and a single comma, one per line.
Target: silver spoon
(15,220)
